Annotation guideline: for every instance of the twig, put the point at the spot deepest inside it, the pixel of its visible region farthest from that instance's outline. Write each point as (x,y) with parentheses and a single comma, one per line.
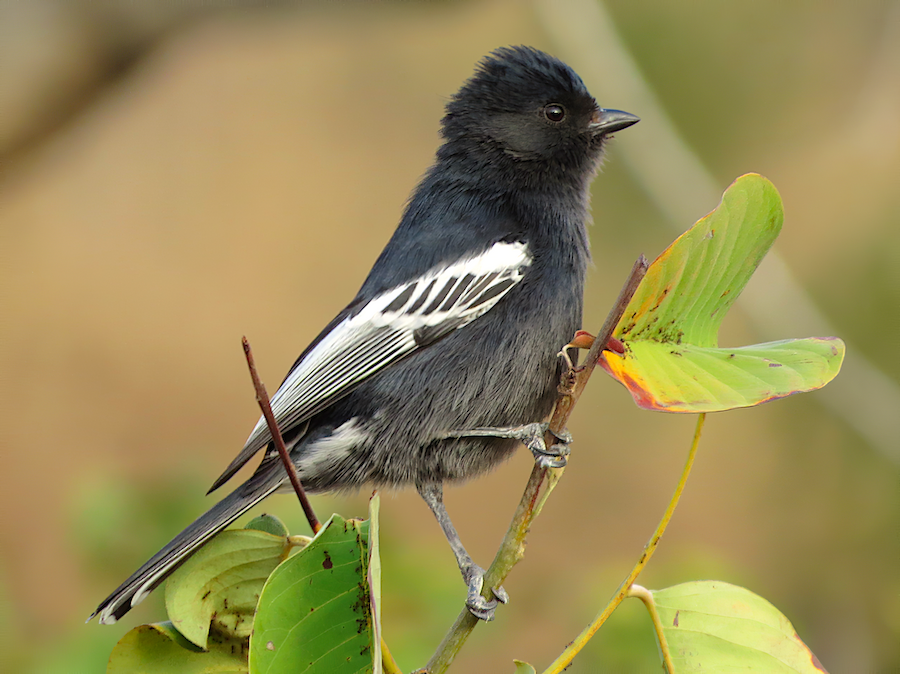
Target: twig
(566,402)
(566,657)
(540,483)
(263,399)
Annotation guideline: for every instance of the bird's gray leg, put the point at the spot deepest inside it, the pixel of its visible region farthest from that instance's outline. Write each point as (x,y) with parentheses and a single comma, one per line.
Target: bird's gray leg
(532,436)
(473,575)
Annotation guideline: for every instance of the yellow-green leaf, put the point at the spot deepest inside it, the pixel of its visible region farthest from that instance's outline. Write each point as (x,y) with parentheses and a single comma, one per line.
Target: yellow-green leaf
(711,626)
(220,585)
(268,523)
(687,378)
(670,359)
(160,649)
(523,667)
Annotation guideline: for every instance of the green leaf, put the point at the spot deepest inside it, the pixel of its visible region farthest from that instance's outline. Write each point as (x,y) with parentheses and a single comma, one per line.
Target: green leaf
(268,523)
(220,585)
(523,667)
(711,626)
(314,615)
(686,378)
(671,360)
(161,649)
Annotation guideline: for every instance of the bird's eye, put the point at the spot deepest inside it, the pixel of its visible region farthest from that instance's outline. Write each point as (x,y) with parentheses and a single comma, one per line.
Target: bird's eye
(554,113)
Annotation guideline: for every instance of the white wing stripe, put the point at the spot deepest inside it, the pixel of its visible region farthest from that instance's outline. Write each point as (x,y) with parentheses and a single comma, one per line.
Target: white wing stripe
(458,290)
(480,285)
(335,377)
(435,303)
(390,326)
(417,304)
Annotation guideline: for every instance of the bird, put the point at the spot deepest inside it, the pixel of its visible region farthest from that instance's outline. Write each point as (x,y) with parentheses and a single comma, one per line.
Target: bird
(448,356)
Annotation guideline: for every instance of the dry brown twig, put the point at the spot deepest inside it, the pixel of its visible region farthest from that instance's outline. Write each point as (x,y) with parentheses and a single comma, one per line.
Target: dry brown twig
(263,399)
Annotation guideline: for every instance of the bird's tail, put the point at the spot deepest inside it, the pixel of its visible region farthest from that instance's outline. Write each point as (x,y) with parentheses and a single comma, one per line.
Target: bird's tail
(143,581)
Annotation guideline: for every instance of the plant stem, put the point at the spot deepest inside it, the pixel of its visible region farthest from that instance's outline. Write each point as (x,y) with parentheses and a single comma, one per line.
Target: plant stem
(541,481)
(646,596)
(566,657)
(388,664)
(263,399)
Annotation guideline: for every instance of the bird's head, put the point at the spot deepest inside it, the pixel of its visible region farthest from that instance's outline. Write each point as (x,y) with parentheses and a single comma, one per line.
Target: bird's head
(525,106)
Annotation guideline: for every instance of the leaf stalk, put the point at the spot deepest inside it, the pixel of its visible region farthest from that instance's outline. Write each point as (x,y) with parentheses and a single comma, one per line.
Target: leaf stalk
(566,657)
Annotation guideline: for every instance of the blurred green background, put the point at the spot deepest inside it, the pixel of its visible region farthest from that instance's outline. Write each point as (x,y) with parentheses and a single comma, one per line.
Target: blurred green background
(176,175)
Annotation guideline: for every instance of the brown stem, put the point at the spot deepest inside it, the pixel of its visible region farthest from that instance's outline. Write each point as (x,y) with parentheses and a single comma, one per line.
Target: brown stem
(568,399)
(263,399)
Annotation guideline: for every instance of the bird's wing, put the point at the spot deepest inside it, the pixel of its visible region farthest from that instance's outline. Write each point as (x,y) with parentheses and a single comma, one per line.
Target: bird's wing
(385,329)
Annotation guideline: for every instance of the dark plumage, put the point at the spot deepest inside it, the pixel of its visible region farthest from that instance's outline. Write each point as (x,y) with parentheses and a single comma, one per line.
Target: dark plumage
(458,325)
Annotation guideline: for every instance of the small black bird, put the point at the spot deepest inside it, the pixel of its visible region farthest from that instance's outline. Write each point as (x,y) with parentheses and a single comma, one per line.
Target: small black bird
(448,355)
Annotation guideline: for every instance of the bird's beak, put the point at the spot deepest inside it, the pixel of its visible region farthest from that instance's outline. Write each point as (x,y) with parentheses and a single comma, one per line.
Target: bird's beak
(608,121)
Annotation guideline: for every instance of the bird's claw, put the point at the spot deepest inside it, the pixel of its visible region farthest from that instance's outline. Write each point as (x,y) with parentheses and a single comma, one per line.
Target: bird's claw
(501,595)
(563,436)
(479,606)
(549,459)
(554,456)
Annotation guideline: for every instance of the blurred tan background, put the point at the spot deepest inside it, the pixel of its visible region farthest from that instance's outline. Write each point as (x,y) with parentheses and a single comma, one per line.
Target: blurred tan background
(176,175)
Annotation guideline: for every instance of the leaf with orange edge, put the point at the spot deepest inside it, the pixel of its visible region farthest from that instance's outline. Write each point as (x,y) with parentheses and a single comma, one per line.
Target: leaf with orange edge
(669,357)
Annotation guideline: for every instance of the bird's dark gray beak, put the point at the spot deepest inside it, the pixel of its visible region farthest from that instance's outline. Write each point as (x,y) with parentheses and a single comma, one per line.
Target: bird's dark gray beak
(608,121)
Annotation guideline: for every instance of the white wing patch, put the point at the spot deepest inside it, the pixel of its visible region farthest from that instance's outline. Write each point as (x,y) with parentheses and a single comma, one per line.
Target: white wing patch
(391,326)
(332,449)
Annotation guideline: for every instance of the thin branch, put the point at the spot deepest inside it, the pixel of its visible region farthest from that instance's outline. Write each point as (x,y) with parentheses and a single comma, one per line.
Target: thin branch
(540,483)
(601,341)
(566,657)
(263,399)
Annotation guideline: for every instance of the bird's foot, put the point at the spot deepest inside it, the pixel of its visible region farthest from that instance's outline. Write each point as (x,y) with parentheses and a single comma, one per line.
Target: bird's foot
(555,456)
(478,606)
(532,436)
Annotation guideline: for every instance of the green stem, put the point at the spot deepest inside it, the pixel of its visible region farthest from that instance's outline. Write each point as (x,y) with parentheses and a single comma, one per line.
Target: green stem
(646,596)
(388,664)
(565,658)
